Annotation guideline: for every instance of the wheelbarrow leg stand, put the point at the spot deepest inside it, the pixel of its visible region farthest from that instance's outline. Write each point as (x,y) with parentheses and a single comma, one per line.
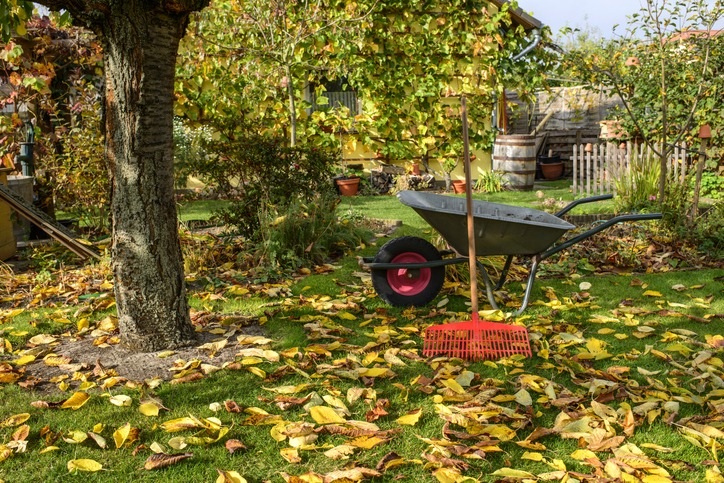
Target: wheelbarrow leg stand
(528,288)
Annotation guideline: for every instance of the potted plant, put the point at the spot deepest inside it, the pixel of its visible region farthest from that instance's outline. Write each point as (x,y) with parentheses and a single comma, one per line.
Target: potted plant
(348,181)
(448,165)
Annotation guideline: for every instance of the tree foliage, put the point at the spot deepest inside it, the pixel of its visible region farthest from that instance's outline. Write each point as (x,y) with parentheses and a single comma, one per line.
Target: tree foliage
(408,61)
(667,70)
(417,58)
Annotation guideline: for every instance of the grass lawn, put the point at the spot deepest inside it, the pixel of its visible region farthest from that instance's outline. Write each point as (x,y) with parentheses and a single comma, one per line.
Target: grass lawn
(626,382)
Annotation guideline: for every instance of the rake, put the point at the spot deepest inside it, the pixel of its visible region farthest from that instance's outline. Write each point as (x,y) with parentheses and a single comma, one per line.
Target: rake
(475,339)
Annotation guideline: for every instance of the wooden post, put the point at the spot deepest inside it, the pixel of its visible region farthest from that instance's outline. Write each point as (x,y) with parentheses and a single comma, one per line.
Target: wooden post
(704,134)
(575,169)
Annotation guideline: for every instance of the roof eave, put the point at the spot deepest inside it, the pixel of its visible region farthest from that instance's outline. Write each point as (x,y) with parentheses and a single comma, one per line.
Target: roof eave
(520,17)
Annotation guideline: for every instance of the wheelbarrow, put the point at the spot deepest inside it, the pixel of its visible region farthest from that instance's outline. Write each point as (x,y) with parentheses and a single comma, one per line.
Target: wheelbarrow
(410,271)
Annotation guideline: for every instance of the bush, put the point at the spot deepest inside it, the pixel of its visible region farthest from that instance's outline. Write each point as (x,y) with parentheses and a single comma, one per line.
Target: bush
(189,150)
(712,185)
(260,171)
(637,187)
(706,231)
(304,234)
(77,173)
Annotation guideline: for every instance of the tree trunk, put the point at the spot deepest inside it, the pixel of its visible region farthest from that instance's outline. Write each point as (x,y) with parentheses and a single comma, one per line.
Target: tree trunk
(140,48)
(292,107)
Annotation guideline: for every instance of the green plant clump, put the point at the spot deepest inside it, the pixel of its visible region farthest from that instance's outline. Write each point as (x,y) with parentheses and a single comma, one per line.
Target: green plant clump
(304,233)
(490,182)
(260,171)
(637,187)
(712,185)
(705,229)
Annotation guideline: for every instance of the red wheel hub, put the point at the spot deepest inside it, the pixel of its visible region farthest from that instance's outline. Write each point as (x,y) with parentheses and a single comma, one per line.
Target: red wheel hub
(408,281)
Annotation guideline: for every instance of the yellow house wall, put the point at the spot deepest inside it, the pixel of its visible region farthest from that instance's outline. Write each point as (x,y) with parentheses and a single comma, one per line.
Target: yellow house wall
(355,152)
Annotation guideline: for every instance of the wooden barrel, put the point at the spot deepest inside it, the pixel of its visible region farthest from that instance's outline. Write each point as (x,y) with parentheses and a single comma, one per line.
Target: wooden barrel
(514,156)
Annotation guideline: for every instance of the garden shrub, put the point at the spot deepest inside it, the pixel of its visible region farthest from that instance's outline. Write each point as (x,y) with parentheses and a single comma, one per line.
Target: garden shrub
(189,150)
(637,186)
(260,171)
(304,233)
(77,172)
(706,230)
(712,185)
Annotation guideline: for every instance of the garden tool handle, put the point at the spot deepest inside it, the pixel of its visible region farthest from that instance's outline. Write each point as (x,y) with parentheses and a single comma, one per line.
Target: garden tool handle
(469,204)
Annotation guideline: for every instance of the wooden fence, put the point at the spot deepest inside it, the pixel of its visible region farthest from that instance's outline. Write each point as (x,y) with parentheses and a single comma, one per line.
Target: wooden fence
(595,171)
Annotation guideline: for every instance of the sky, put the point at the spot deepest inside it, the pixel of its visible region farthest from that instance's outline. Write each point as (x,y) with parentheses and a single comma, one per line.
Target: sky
(596,14)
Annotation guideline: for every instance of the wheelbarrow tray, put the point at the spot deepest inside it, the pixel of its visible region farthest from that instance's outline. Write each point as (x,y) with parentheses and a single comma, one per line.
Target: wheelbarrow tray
(499,229)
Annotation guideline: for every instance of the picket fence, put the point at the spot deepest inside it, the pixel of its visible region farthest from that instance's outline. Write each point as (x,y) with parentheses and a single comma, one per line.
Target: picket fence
(595,170)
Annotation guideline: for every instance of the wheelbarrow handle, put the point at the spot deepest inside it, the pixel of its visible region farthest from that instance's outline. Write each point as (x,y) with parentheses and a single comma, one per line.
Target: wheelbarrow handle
(590,199)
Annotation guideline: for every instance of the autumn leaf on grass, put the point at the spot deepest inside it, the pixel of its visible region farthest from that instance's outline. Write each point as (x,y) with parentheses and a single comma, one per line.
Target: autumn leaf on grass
(162,460)
(291,455)
(5,452)
(357,473)
(125,435)
(304,478)
(325,415)
(388,461)
(343,451)
(120,400)
(451,475)
(15,420)
(234,445)
(84,465)
(229,477)
(76,401)
(411,418)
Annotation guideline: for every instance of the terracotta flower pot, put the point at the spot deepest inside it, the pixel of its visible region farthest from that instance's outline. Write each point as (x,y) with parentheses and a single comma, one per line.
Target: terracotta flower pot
(552,170)
(348,187)
(458,186)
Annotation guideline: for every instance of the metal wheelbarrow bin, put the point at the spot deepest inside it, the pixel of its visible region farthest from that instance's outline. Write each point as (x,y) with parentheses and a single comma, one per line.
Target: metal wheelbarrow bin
(410,271)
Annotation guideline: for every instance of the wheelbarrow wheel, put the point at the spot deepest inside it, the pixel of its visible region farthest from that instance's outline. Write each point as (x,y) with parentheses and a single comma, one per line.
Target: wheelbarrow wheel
(403,287)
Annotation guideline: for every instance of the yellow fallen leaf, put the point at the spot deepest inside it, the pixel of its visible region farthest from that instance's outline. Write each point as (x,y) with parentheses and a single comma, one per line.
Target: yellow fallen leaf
(325,415)
(652,293)
(120,400)
(24,360)
(376,372)
(528,455)
(367,442)
(47,449)
(513,473)
(76,401)
(121,434)
(523,398)
(583,454)
(257,372)
(453,385)
(411,418)
(42,339)
(148,409)
(84,465)
(15,420)
(5,453)
(229,477)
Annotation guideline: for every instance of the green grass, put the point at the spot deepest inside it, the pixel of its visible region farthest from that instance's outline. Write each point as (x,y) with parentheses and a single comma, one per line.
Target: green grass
(638,342)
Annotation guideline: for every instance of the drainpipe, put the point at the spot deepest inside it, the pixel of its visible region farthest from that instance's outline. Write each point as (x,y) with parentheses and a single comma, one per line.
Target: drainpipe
(532,45)
(537,37)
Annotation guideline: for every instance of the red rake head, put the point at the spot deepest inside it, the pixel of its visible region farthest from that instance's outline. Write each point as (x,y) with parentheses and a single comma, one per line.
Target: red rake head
(476,340)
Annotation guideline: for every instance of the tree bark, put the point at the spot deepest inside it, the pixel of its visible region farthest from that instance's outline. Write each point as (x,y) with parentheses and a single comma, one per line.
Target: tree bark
(140,43)
(140,48)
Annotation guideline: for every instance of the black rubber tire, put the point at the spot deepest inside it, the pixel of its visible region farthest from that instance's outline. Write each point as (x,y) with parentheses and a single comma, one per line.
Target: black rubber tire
(395,248)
